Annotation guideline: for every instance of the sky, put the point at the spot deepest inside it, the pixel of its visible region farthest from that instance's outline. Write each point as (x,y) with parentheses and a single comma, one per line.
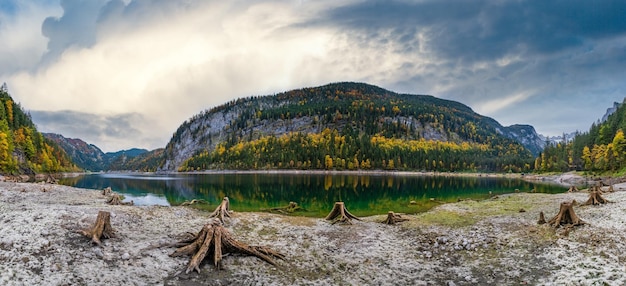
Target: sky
(126,73)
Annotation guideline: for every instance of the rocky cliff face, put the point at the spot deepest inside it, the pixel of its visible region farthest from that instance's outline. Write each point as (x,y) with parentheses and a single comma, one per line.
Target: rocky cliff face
(86,156)
(430,118)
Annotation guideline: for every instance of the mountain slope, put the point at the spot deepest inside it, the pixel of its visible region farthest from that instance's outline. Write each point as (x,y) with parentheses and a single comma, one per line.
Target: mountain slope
(359,113)
(23,149)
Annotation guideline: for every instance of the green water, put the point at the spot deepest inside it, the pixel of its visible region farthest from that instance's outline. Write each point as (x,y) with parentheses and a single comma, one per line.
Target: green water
(363,194)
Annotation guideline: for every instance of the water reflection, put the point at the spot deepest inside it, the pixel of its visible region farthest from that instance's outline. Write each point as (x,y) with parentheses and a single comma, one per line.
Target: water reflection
(363,194)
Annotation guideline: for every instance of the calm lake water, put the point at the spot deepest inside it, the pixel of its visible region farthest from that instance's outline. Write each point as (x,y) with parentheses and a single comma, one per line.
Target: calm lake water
(363,194)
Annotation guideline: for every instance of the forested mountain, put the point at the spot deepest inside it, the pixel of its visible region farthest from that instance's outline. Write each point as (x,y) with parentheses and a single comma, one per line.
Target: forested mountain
(348,126)
(602,148)
(90,158)
(23,150)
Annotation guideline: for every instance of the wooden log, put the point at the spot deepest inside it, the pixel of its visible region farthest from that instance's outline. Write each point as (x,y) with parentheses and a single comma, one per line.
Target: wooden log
(339,213)
(101,229)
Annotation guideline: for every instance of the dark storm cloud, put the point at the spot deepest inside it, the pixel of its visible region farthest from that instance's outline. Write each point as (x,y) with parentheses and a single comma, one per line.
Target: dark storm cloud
(87,125)
(480,30)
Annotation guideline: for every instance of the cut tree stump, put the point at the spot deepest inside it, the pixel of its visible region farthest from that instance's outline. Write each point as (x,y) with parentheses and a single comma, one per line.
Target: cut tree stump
(107,191)
(116,199)
(393,218)
(566,216)
(595,198)
(101,229)
(339,213)
(214,240)
(222,210)
(572,189)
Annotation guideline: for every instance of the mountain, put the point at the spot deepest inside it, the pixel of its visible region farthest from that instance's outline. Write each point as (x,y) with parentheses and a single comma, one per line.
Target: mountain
(23,149)
(348,126)
(89,157)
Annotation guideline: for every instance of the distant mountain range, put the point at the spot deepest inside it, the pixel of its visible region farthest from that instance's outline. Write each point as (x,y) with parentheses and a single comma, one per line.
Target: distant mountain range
(90,158)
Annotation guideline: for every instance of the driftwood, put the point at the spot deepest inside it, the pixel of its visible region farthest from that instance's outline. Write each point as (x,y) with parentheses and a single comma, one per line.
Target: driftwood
(290,208)
(213,241)
(595,198)
(339,213)
(222,210)
(393,218)
(566,216)
(107,191)
(193,202)
(101,229)
(116,199)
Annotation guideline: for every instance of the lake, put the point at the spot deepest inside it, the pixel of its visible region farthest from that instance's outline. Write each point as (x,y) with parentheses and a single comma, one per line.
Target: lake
(363,194)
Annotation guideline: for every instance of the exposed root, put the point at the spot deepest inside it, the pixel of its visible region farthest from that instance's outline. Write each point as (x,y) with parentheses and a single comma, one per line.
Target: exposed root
(290,208)
(339,213)
(214,240)
(101,229)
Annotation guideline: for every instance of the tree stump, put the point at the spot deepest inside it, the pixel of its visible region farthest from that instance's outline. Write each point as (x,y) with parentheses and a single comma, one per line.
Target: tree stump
(339,213)
(393,218)
(116,200)
(572,189)
(107,191)
(565,217)
(101,229)
(214,240)
(222,210)
(595,198)
(542,218)
(610,189)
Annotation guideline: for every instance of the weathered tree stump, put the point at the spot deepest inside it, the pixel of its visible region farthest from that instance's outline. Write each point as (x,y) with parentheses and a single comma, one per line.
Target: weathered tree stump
(116,199)
(572,189)
(193,202)
(542,218)
(610,189)
(107,191)
(214,240)
(222,210)
(339,213)
(101,229)
(595,198)
(393,218)
(566,216)
(50,179)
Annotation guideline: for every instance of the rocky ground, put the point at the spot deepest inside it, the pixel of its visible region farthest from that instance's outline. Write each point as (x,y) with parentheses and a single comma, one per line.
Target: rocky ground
(491,242)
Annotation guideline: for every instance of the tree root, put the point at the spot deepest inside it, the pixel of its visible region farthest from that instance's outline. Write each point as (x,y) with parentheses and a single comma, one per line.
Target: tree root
(393,218)
(214,240)
(566,216)
(223,210)
(101,229)
(339,213)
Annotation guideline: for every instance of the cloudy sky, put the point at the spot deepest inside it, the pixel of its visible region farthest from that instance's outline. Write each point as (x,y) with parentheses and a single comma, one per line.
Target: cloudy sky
(127,73)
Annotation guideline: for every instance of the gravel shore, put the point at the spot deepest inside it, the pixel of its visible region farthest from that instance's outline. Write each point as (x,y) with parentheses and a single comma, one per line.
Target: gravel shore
(491,242)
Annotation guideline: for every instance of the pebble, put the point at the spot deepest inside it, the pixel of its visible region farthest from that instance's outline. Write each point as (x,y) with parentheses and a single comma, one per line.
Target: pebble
(125,256)
(98,252)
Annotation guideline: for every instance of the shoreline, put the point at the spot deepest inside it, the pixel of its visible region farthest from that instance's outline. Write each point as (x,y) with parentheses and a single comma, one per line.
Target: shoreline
(463,243)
